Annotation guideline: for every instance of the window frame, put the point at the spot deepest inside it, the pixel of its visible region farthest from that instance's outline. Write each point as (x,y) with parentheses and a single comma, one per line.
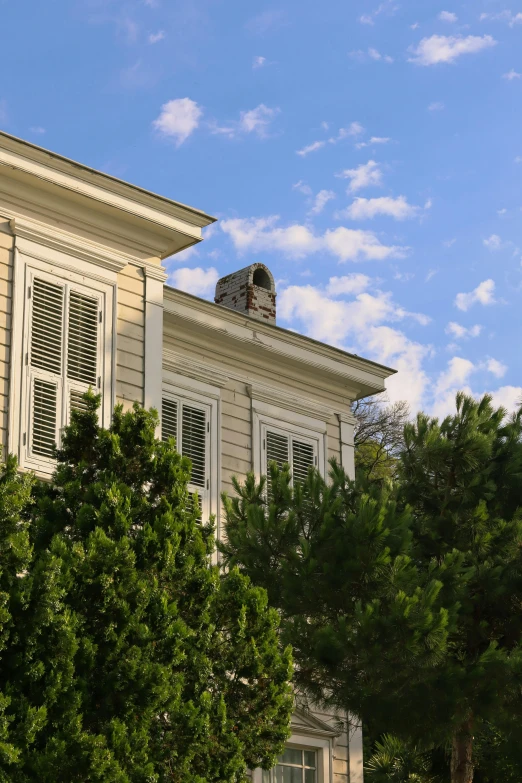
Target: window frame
(84,279)
(185,392)
(323,748)
(308,430)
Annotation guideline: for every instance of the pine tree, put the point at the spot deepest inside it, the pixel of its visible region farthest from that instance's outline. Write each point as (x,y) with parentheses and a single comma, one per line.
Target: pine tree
(462,480)
(362,620)
(152,666)
(404,605)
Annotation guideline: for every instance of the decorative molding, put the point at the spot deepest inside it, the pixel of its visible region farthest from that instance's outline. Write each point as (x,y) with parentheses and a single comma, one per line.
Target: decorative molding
(70,244)
(185,365)
(347,418)
(154,271)
(307,723)
(290,401)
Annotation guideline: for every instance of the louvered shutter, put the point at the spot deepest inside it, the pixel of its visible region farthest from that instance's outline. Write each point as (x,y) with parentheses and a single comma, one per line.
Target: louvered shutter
(45,364)
(169,419)
(194,446)
(277,449)
(283,448)
(189,425)
(82,347)
(303,458)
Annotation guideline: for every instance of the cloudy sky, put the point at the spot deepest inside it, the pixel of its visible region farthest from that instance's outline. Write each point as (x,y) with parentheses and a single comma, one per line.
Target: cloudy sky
(370,153)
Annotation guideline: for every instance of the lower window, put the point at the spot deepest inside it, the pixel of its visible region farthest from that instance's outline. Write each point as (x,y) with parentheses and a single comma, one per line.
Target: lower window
(294,766)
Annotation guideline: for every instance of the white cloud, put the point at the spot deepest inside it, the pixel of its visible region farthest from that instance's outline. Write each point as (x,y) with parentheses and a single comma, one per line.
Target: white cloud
(496,368)
(460,332)
(503,16)
(493,242)
(302,187)
(178,119)
(374,54)
(414,26)
(511,75)
(258,62)
(316,145)
(37,129)
(508,397)
(448,16)
(446,49)
(355,283)
(155,37)
(257,120)
(483,294)
(430,274)
(198,281)
(518,159)
(436,106)
(299,241)
(372,142)
(366,209)
(364,176)
(387,6)
(354,129)
(321,200)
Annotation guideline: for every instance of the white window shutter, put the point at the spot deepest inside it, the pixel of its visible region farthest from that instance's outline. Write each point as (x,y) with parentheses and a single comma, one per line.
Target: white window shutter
(82,339)
(44,408)
(194,443)
(303,458)
(189,425)
(47,326)
(45,365)
(169,419)
(277,449)
(83,318)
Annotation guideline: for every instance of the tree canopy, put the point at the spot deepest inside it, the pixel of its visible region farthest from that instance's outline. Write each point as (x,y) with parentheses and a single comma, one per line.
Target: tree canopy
(126,656)
(403,599)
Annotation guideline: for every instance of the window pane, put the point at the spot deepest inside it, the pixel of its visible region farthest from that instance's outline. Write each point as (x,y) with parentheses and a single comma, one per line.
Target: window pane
(288,774)
(292,756)
(266,776)
(310,776)
(309,758)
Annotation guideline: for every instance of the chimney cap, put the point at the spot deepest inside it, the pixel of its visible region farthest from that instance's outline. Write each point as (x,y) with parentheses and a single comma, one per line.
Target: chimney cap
(250,290)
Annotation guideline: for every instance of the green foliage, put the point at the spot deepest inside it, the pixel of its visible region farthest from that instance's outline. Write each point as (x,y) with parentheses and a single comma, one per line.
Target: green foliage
(394,761)
(362,623)
(134,659)
(403,605)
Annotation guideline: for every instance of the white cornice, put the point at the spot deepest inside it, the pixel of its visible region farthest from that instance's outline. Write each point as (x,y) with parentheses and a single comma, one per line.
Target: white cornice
(71,244)
(47,166)
(269,395)
(361,376)
(184,365)
(346,417)
(154,271)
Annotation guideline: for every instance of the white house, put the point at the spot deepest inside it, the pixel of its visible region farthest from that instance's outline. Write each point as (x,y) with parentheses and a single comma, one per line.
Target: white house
(84,302)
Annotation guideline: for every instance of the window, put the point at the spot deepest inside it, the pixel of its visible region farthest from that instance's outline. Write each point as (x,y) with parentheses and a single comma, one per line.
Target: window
(295,765)
(298,450)
(62,359)
(188,422)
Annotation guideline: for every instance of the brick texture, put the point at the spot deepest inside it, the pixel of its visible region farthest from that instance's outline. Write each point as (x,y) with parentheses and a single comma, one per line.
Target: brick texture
(251,291)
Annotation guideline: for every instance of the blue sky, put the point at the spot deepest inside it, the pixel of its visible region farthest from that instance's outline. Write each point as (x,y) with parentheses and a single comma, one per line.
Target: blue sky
(370,153)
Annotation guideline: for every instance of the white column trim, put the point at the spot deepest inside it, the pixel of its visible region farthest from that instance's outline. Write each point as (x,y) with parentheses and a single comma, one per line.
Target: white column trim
(153,362)
(346,427)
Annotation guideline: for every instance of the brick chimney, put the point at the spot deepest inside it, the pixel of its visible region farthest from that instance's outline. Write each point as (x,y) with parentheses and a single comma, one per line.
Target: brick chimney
(250,291)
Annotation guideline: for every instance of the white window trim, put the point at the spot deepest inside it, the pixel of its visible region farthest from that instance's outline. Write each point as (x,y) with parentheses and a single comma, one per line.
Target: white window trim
(283,423)
(323,748)
(30,258)
(189,390)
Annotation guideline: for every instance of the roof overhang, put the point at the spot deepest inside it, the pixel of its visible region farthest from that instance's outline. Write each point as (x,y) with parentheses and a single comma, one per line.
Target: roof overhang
(167,226)
(361,376)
